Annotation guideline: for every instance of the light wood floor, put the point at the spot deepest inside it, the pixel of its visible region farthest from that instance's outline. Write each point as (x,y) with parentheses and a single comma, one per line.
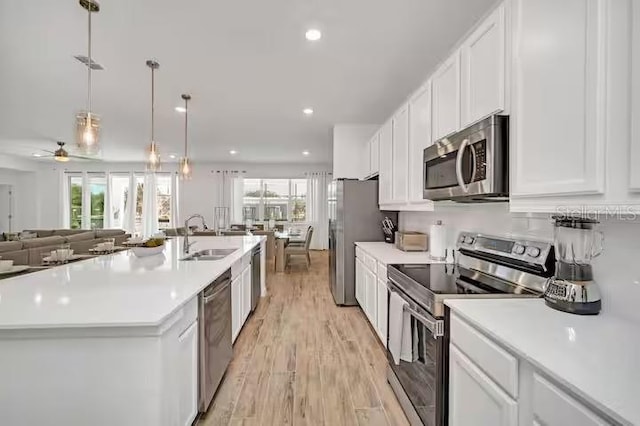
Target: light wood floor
(302,360)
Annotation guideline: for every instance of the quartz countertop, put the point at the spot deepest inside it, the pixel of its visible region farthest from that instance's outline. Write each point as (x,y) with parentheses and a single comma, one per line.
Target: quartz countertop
(389,254)
(116,290)
(596,357)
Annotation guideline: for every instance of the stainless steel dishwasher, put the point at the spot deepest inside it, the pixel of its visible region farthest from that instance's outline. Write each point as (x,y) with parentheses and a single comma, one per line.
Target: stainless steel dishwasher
(255,276)
(214,315)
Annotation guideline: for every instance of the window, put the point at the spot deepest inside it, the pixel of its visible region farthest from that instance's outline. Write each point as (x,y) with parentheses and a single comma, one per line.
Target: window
(277,199)
(97,189)
(119,199)
(75,202)
(332,199)
(163,194)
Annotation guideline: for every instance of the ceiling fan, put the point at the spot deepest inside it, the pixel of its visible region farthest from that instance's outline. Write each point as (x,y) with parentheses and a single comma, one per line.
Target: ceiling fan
(62,155)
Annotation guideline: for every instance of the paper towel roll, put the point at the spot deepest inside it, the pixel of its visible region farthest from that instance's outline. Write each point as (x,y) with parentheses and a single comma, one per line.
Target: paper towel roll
(438,243)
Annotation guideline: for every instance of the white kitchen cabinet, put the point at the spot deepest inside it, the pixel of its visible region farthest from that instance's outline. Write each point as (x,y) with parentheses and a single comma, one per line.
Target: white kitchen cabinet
(400,144)
(554,407)
(187,374)
(382,309)
(371,296)
(419,139)
(385,187)
(446,97)
(559,117)
(236,306)
(475,399)
(483,57)
(634,158)
(246,294)
(361,295)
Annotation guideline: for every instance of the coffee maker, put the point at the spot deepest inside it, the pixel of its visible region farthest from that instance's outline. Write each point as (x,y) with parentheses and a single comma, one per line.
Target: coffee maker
(572,288)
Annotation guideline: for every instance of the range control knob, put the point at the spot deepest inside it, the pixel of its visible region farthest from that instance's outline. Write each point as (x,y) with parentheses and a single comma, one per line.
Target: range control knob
(533,251)
(469,240)
(518,249)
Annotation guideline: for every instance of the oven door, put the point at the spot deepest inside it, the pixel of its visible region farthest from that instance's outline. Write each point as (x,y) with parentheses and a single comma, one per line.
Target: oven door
(420,383)
(466,165)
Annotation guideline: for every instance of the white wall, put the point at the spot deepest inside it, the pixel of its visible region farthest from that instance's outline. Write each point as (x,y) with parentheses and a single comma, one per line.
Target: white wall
(24,207)
(617,270)
(194,196)
(349,149)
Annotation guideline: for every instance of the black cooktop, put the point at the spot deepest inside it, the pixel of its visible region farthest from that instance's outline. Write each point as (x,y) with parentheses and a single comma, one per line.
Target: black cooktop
(439,278)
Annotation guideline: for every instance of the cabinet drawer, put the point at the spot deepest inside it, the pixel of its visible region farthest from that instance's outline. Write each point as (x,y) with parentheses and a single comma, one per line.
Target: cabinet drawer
(370,263)
(359,253)
(497,363)
(552,406)
(382,271)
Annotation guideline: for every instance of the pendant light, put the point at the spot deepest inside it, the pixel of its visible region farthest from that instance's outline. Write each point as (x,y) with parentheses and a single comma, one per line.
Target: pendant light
(153,156)
(185,165)
(87,123)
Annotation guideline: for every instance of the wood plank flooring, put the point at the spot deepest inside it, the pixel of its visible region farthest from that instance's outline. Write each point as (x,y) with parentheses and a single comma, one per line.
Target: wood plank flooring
(301,360)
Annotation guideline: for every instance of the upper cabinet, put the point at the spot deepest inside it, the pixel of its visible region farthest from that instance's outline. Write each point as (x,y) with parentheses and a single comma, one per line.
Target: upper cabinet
(400,179)
(483,57)
(419,139)
(385,185)
(446,98)
(634,159)
(559,118)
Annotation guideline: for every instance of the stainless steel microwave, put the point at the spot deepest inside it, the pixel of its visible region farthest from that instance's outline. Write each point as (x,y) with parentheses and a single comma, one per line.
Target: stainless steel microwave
(471,165)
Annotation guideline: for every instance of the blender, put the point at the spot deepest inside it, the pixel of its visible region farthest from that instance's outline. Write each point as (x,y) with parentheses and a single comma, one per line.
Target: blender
(572,288)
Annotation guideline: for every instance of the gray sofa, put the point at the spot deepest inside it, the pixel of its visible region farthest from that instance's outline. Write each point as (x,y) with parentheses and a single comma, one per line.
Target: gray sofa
(30,251)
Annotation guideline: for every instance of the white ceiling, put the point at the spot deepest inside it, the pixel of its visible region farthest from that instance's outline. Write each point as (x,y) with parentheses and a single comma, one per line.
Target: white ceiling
(246,63)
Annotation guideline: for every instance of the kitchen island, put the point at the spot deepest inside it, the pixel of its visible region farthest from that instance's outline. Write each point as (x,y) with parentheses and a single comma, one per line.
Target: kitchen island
(109,340)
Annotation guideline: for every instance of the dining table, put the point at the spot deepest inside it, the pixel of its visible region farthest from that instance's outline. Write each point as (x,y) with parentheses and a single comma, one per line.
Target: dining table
(282,239)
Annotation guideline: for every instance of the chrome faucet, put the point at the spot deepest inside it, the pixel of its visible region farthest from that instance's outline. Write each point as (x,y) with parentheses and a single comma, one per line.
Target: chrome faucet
(187,245)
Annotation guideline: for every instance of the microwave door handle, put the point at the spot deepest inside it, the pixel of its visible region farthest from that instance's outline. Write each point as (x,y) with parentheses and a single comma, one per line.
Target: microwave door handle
(474,168)
(459,176)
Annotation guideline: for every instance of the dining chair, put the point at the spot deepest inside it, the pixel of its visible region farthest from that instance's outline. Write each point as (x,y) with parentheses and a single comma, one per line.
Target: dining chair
(300,250)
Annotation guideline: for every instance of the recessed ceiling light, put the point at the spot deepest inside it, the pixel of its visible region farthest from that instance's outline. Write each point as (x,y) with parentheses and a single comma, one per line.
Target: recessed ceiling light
(172,156)
(35,154)
(233,152)
(306,153)
(308,111)
(180,109)
(313,34)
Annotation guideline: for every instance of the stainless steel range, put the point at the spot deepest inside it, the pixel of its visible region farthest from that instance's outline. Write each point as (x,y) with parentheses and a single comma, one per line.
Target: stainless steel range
(486,267)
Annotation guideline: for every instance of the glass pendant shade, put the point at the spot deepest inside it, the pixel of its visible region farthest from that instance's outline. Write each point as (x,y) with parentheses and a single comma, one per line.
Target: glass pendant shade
(87,133)
(185,171)
(153,158)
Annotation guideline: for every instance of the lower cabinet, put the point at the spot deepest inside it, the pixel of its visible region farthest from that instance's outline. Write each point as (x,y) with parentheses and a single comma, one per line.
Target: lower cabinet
(360,285)
(187,375)
(371,307)
(372,293)
(485,388)
(383,297)
(240,300)
(475,399)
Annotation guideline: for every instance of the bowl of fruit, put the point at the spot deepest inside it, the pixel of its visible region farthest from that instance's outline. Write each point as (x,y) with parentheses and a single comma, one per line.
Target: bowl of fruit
(150,247)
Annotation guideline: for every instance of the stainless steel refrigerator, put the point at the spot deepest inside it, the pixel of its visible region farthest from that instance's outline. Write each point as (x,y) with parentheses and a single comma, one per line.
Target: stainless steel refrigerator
(357,218)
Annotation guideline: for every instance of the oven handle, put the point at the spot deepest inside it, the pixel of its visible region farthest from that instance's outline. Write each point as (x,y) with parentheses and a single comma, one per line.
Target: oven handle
(436,327)
(459,156)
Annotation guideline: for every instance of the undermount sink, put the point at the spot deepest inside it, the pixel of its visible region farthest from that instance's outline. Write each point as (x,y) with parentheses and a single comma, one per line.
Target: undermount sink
(209,254)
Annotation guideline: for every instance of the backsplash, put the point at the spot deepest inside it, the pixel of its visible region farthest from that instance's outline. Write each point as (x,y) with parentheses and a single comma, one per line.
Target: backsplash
(617,270)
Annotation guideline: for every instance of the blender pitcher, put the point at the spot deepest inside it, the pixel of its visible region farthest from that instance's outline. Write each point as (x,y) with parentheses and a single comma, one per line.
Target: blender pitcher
(576,243)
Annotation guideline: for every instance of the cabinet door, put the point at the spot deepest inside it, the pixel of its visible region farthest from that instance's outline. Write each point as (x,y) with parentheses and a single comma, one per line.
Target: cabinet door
(634,158)
(483,69)
(187,364)
(553,407)
(383,307)
(419,139)
(558,126)
(474,399)
(246,295)
(386,165)
(236,306)
(372,297)
(446,98)
(375,154)
(400,175)
(360,288)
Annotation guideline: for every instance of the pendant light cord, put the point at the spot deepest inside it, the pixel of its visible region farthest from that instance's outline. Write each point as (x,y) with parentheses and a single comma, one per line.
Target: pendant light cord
(186,125)
(89,65)
(153,103)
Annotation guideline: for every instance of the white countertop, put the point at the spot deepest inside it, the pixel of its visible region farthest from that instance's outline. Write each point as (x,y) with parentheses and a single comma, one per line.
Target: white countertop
(114,290)
(389,254)
(596,357)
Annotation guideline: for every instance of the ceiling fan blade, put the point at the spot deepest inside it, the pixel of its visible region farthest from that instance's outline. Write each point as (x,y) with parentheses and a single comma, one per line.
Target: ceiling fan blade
(82,157)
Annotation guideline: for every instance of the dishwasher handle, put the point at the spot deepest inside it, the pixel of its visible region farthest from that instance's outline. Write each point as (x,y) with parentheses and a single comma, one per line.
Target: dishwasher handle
(208,298)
